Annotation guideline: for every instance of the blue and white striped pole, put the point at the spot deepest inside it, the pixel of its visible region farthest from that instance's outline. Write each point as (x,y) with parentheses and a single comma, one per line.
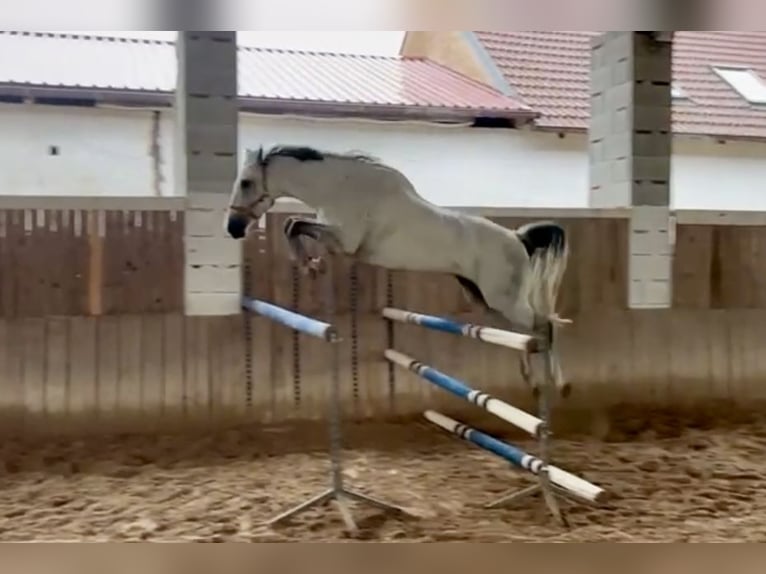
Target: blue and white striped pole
(518,457)
(517,341)
(500,409)
(293,320)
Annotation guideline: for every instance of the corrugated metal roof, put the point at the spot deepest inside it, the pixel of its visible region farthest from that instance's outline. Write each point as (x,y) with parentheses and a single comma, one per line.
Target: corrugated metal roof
(550,71)
(84,61)
(61,60)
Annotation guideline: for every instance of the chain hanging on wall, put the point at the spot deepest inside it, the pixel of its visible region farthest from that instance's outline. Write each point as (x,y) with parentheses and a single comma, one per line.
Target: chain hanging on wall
(296,339)
(247,327)
(390,342)
(354,310)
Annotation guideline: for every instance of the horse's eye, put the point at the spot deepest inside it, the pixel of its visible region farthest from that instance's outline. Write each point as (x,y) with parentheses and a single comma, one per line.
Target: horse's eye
(246,184)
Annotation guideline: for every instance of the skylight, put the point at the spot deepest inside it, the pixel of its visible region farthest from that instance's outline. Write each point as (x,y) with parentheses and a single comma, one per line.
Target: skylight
(745,82)
(676,92)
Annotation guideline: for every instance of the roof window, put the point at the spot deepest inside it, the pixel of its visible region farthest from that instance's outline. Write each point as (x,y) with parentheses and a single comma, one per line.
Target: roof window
(745,82)
(677,93)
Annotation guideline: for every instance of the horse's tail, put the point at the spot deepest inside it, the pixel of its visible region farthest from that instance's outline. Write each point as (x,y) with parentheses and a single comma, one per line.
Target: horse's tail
(548,249)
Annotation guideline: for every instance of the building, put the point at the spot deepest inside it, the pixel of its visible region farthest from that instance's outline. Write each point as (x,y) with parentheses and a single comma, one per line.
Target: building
(86,115)
(473,118)
(719,103)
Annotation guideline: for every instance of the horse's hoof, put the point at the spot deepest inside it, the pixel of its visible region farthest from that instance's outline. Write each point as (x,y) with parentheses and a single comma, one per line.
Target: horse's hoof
(317,265)
(313,268)
(565,390)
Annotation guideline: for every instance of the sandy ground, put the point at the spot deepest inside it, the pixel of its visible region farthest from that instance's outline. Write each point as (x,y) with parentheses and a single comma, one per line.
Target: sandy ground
(672,481)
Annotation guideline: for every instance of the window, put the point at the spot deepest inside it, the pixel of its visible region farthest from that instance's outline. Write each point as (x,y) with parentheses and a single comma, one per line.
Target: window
(746,82)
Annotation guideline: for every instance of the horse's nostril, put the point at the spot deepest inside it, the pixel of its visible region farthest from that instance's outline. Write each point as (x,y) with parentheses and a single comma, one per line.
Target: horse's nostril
(236,227)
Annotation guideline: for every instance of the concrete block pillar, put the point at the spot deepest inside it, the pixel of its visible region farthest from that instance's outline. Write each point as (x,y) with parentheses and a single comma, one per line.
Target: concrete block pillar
(630,139)
(206,167)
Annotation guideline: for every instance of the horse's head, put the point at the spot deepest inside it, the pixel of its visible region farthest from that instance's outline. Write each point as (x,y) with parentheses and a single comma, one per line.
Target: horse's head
(250,197)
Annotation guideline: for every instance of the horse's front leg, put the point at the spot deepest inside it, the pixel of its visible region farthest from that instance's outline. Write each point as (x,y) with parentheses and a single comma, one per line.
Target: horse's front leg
(298,227)
(295,244)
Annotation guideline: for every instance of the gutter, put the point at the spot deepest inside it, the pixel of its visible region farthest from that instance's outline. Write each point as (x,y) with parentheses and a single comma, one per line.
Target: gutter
(147,98)
(676,134)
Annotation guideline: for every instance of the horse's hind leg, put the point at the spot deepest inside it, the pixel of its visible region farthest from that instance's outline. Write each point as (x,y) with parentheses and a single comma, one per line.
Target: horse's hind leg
(475,296)
(514,316)
(525,364)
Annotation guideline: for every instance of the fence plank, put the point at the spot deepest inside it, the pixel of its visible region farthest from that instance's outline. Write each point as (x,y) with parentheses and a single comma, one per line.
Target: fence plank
(34,337)
(11,382)
(152,359)
(174,369)
(57,368)
(83,366)
(130,361)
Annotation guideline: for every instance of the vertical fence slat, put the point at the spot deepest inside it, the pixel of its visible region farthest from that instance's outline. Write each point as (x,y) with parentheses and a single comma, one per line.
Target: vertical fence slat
(153,356)
(83,368)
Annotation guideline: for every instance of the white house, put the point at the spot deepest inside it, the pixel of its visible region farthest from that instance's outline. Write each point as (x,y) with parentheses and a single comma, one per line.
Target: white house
(92,116)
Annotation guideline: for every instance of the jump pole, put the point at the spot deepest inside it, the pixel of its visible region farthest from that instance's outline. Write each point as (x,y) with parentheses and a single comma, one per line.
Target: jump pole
(500,409)
(300,323)
(560,478)
(337,492)
(509,339)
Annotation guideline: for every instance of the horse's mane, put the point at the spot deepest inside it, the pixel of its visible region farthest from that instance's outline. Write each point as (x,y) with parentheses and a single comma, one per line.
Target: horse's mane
(310,154)
(305,153)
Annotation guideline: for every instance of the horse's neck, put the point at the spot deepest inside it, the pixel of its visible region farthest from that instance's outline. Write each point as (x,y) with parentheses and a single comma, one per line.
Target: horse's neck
(314,183)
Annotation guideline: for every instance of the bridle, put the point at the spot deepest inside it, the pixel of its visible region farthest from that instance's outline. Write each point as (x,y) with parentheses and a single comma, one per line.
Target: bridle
(248,210)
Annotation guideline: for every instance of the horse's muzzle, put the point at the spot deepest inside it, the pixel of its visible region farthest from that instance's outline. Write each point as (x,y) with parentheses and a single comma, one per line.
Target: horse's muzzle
(236,226)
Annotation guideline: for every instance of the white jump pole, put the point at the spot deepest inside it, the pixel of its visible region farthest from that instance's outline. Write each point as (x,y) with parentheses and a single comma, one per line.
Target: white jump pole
(561,478)
(509,339)
(500,409)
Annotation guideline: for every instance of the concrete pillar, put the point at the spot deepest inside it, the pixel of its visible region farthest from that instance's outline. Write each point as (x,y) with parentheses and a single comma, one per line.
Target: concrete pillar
(630,139)
(206,167)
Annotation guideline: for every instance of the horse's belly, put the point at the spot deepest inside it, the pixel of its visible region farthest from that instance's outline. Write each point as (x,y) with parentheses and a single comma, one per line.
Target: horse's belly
(410,255)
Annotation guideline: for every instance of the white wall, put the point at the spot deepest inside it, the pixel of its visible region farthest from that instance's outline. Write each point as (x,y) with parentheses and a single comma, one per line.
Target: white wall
(725,176)
(108,151)
(450,166)
(101,151)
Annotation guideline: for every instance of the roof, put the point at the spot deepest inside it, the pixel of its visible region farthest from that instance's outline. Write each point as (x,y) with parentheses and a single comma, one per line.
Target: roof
(269,80)
(550,72)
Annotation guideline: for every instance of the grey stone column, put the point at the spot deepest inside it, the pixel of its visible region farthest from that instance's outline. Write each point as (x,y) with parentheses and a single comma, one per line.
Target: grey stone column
(630,140)
(206,166)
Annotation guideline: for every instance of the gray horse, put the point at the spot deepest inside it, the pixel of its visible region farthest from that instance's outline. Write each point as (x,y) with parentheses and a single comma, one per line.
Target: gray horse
(371,212)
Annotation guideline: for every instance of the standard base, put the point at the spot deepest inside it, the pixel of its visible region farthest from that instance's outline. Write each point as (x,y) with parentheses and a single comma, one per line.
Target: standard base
(340,496)
(550,501)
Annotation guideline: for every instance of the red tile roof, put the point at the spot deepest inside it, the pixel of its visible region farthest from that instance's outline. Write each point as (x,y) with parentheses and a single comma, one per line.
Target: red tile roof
(550,72)
(308,80)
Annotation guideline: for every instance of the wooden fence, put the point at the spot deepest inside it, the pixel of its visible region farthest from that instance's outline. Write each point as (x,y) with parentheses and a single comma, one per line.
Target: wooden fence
(92,331)
(720,266)
(80,260)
